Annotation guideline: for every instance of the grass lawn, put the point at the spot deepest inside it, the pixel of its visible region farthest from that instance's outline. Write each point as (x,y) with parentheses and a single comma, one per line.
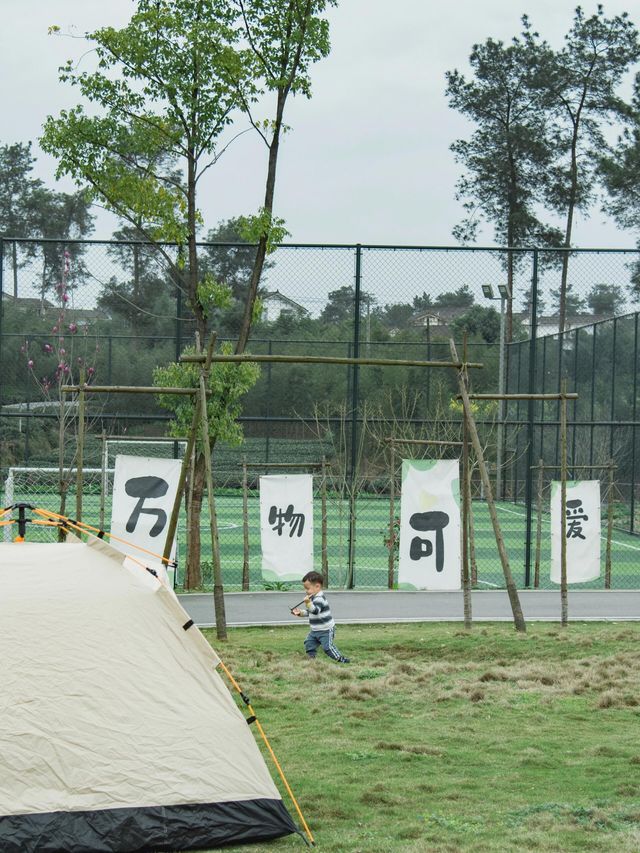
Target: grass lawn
(437,740)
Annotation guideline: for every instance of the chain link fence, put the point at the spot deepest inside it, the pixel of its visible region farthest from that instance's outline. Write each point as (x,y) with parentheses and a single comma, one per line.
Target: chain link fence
(117,310)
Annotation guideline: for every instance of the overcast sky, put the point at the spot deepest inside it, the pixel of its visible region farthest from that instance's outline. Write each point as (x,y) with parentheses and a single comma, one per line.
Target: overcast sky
(368,156)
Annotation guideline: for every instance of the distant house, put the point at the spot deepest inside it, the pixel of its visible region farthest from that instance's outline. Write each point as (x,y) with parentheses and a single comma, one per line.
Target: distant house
(275,304)
(438,320)
(50,312)
(30,304)
(549,324)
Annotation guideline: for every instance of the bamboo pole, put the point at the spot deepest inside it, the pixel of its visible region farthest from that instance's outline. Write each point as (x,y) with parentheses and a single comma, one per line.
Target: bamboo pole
(472,538)
(607,570)
(218,589)
(392,517)
(80,447)
(536,573)
(425,441)
(62,484)
(323,505)
(320,359)
(103,478)
(571,396)
(286,465)
(466,586)
(564,598)
(245,526)
(512,591)
(127,389)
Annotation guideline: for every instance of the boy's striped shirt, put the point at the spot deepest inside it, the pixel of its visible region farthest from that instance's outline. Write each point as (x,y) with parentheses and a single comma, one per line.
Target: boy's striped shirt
(319,613)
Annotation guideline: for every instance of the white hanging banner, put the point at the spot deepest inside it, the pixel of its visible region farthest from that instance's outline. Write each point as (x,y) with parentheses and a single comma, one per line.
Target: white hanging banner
(144,491)
(286,526)
(429,555)
(581,528)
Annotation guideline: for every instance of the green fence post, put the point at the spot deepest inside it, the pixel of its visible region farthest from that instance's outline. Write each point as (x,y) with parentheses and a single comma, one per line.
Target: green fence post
(354,422)
(530,405)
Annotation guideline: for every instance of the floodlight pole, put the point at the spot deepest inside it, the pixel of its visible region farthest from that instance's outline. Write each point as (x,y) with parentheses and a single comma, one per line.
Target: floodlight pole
(501,405)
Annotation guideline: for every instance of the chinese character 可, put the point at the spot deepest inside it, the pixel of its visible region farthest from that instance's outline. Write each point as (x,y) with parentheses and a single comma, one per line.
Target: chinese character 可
(145,488)
(574,517)
(278,517)
(428,521)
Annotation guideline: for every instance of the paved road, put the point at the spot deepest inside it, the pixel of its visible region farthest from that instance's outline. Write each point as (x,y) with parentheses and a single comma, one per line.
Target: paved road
(272,608)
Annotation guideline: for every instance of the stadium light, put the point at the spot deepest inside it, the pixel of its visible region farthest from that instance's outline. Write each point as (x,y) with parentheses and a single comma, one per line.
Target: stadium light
(504,291)
(487,291)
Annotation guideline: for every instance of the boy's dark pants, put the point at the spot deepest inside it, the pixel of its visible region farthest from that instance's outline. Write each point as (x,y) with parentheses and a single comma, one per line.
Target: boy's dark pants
(324,639)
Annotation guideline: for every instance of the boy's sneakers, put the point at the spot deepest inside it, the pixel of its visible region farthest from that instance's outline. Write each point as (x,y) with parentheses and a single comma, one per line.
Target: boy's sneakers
(344,660)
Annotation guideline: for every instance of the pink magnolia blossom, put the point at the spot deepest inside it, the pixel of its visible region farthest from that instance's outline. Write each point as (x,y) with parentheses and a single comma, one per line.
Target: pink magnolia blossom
(48,348)
(54,330)
(30,364)
(91,371)
(65,297)
(63,352)
(73,328)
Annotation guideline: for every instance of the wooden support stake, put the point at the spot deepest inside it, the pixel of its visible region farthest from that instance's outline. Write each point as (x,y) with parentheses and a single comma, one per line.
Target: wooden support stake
(610,495)
(218,589)
(392,517)
(103,479)
(323,505)
(472,539)
(564,598)
(80,447)
(466,585)
(518,618)
(245,526)
(536,573)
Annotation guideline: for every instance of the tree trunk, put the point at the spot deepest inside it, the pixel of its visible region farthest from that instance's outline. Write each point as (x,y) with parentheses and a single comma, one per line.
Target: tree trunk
(193,571)
(261,252)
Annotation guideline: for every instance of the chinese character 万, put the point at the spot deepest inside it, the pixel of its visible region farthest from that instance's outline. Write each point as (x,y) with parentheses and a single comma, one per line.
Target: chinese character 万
(428,521)
(575,514)
(145,488)
(278,517)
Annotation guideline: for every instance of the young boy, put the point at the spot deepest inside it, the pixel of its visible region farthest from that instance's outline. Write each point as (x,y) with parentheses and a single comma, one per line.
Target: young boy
(321,623)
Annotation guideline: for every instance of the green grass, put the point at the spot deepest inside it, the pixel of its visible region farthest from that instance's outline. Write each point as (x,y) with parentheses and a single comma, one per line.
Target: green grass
(437,740)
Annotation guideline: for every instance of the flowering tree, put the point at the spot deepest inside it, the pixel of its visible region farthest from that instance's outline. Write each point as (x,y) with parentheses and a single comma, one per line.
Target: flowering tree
(62,359)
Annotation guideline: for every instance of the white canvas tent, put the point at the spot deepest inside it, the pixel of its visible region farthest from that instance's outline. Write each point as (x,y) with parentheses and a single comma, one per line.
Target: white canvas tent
(117,732)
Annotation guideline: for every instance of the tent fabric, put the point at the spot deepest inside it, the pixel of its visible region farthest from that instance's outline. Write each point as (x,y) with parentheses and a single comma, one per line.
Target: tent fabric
(117,732)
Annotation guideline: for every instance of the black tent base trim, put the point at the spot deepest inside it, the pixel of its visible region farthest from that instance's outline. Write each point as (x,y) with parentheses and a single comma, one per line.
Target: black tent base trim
(195,826)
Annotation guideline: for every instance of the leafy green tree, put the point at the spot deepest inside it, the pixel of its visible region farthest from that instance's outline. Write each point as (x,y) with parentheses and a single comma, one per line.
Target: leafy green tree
(478,322)
(572,302)
(163,93)
(144,300)
(460,298)
(228,384)
(341,305)
(619,170)
(29,209)
(605,299)
(166,87)
(509,149)
(285,38)
(16,189)
(578,85)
